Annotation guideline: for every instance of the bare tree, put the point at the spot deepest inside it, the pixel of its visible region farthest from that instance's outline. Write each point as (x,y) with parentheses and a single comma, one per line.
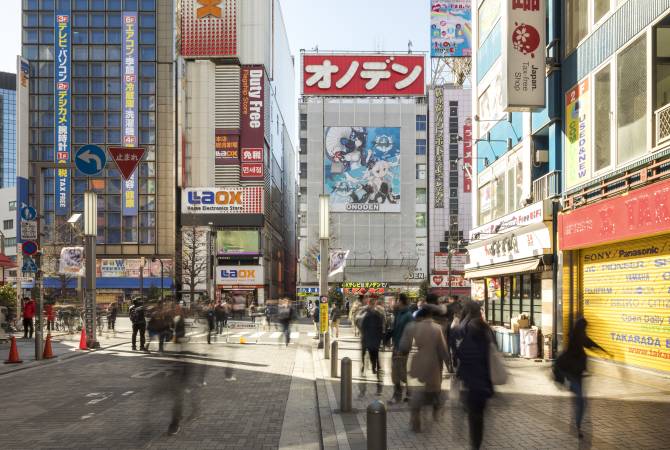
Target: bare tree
(310,260)
(194,256)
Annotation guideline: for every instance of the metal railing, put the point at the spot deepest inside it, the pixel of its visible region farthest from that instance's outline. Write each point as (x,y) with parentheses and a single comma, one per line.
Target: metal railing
(662,124)
(547,186)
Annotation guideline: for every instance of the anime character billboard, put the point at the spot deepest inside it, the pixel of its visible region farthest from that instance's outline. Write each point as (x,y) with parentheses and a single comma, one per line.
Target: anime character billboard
(362,169)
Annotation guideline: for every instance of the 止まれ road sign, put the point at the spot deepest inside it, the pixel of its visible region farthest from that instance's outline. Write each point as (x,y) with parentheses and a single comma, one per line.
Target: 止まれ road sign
(90,159)
(28,213)
(126,159)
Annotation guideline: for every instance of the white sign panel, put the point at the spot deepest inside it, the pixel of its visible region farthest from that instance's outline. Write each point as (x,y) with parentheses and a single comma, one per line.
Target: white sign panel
(28,230)
(524,38)
(510,247)
(240,276)
(421,269)
(531,214)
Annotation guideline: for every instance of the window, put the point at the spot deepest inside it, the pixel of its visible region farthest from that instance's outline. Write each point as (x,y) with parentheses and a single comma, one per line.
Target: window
(8,224)
(577,22)
(420,171)
(602,119)
(10,242)
(421,220)
(489,13)
(662,64)
(12,205)
(303,121)
(485,203)
(420,196)
(600,8)
(632,100)
(303,146)
(303,170)
(420,146)
(421,122)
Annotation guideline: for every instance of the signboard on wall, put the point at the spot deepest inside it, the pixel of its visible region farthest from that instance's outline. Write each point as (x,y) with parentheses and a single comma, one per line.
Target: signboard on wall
(208,28)
(450,28)
(363,74)
(577,135)
(362,169)
(226,147)
(252,120)
(237,242)
(239,276)
(129,120)
(222,200)
(421,269)
(531,214)
(62,107)
(457,280)
(467,155)
(438,194)
(523,54)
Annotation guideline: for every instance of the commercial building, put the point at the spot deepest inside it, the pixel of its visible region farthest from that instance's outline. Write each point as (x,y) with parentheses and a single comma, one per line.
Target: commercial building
(517,162)
(8,221)
(363,132)
(450,167)
(237,170)
(7,129)
(615,224)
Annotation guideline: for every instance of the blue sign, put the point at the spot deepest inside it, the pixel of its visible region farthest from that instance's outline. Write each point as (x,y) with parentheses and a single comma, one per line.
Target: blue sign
(29,265)
(62,107)
(28,213)
(130,81)
(29,248)
(90,160)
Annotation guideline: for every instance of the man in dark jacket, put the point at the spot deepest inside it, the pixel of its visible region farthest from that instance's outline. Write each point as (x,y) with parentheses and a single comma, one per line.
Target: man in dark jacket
(402,317)
(372,330)
(138,319)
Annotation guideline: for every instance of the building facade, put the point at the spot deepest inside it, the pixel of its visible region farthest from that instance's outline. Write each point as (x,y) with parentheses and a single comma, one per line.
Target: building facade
(615,226)
(236,125)
(8,221)
(364,145)
(7,129)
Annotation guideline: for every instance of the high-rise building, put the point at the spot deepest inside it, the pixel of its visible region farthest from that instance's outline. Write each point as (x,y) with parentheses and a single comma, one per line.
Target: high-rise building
(7,129)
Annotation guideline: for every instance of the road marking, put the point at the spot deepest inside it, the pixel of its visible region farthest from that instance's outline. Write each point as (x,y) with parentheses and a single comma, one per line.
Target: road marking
(150,373)
(311,334)
(87,416)
(295,335)
(257,335)
(275,335)
(127,393)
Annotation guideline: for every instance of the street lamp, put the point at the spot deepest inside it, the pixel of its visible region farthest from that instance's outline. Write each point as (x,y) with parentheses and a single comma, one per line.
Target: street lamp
(154,259)
(324,236)
(90,236)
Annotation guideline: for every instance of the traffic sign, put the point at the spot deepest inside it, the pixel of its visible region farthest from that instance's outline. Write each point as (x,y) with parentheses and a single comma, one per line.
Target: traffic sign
(28,230)
(28,213)
(30,248)
(90,159)
(126,159)
(29,266)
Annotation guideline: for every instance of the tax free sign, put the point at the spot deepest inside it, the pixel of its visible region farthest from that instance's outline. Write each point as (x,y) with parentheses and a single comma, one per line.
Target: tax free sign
(239,276)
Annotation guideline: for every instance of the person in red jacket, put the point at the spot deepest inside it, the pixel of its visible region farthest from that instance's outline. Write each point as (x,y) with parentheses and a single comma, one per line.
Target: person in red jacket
(51,316)
(28,314)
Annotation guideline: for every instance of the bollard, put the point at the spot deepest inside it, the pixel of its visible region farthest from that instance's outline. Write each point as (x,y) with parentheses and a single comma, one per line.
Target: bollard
(345,385)
(333,359)
(326,345)
(376,417)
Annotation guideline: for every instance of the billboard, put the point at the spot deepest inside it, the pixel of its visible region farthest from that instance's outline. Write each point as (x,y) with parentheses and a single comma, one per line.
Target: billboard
(71,261)
(252,120)
(362,169)
(208,28)
(129,110)
(222,200)
(237,242)
(364,75)
(467,155)
(450,28)
(226,147)
(62,107)
(577,132)
(240,276)
(523,55)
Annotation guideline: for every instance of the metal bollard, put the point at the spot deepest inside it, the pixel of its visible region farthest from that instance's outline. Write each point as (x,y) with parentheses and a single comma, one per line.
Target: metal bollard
(326,345)
(333,359)
(376,417)
(345,385)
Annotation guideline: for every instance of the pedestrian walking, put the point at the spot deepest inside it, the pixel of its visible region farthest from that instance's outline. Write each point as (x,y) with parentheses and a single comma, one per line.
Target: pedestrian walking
(112,311)
(227,310)
(372,334)
(475,338)
(252,312)
(571,364)
(50,316)
(29,308)
(159,325)
(354,312)
(315,318)
(212,327)
(285,316)
(335,315)
(453,317)
(137,316)
(220,316)
(402,318)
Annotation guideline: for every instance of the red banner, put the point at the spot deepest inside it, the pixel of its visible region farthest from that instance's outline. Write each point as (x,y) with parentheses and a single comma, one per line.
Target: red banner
(252,119)
(467,155)
(374,75)
(643,212)
(227,148)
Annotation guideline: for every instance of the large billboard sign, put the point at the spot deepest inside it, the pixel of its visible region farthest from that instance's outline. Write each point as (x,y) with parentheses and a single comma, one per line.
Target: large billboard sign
(62,107)
(524,41)
(252,120)
(208,28)
(450,28)
(467,155)
(577,133)
(130,98)
(231,200)
(363,75)
(226,147)
(362,169)
(238,242)
(252,276)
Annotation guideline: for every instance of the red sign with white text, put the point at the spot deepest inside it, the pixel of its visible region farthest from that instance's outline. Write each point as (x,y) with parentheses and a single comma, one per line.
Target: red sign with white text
(467,155)
(362,75)
(127,159)
(641,213)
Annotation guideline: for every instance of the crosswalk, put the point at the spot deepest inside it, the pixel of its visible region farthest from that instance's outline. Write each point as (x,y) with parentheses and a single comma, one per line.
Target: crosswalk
(249,336)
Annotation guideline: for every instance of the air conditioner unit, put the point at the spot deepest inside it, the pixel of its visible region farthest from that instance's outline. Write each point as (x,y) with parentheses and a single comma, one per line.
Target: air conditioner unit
(541,156)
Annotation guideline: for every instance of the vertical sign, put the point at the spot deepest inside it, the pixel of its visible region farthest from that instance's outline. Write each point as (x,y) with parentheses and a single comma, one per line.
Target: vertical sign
(62,108)
(467,155)
(129,110)
(252,117)
(439,147)
(524,41)
(226,147)
(450,28)
(577,130)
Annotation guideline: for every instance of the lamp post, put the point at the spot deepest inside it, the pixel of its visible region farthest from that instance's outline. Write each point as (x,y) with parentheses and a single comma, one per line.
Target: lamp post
(324,236)
(154,259)
(90,236)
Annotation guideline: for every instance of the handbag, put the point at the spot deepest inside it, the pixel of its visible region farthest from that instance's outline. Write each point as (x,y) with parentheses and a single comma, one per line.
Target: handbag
(497,369)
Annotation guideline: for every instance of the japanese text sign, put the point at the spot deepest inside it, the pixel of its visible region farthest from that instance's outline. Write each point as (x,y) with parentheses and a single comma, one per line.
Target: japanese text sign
(467,155)
(62,107)
(227,148)
(387,75)
(126,159)
(577,134)
(129,111)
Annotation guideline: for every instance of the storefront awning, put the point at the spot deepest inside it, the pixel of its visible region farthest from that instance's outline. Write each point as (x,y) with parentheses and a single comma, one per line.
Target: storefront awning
(504,268)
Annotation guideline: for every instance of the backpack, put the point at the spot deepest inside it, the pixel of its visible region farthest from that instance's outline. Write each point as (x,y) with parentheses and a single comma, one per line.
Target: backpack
(133,315)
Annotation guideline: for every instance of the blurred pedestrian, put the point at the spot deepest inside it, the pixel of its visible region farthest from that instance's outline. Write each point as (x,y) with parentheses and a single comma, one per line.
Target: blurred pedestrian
(137,316)
(315,318)
(353,313)
(372,331)
(50,315)
(453,317)
(112,311)
(402,317)
(29,309)
(334,316)
(210,313)
(426,365)
(160,325)
(285,316)
(473,371)
(220,316)
(571,364)
(252,312)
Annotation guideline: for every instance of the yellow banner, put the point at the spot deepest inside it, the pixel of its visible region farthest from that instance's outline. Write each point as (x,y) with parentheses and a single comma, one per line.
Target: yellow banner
(323,317)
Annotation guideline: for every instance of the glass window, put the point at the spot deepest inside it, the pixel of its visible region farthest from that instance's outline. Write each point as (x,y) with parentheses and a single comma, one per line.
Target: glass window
(113,36)
(97,86)
(493,295)
(30,20)
(97,103)
(79,119)
(80,69)
(600,8)
(632,100)
(97,69)
(420,196)
(536,317)
(130,5)
(113,69)
(516,295)
(499,195)
(114,5)
(97,20)
(114,186)
(97,5)
(97,36)
(420,171)
(79,186)
(30,5)
(147,52)
(147,5)
(506,301)
(80,4)
(577,25)
(147,20)
(98,119)
(113,86)
(114,220)
(489,13)
(46,52)
(80,86)
(602,119)
(147,103)
(303,121)
(525,294)
(8,224)
(79,102)
(46,37)
(148,37)
(130,229)
(113,136)
(113,52)
(147,136)
(97,136)
(662,65)
(420,122)
(113,203)
(148,69)
(147,219)
(147,236)
(114,103)
(421,220)
(97,52)
(80,20)
(46,19)
(147,87)
(113,235)
(147,119)
(147,169)
(485,203)
(30,52)
(30,36)
(113,20)
(420,146)
(114,120)
(511,179)
(79,53)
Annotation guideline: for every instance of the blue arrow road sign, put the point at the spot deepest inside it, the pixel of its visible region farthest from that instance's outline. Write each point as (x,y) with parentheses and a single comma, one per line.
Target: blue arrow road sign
(90,159)
(28,213)
(29,265)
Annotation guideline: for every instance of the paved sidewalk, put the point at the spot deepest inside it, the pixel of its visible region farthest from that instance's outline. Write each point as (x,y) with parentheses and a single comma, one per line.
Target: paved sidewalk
(626,409)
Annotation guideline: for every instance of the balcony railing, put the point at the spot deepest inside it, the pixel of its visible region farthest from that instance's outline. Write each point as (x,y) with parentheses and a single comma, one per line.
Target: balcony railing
(662,124)
(548,186)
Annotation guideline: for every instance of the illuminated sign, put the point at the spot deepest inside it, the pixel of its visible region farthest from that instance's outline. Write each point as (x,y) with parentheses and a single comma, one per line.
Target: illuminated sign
(63,108)
(237,242)
(129,111)
(244,200)
(467,155)
(239,276)
(208,28)
(226,147)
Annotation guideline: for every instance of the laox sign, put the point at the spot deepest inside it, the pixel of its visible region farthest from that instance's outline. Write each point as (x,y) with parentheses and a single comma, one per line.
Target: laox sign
(234,273)
(212,198)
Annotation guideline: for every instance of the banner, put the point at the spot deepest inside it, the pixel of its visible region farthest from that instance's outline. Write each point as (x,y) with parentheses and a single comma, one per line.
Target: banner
(111,268)
(252,121)
(226,147)
(71,261)
(129,111)
(438,193)
(338,261)
(450,28)
(362,169)
(467,155)
(63,108)
(577,135)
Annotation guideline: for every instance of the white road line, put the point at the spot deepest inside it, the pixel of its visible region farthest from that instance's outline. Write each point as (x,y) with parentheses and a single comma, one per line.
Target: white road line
(257,335)
(239,334)
(295,335)
(311,334)
(275,335)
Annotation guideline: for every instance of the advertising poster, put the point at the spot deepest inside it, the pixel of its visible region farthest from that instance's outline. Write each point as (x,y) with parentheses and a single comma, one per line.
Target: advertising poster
(62,108)
(362,169)
(252,120)
(438,191)
(450,28)
(421,269)
(237,242)
(227,148)
(129,111)
(111,268)
(208,28)
(577,133)
(71,261)
(338,261)
(240,276)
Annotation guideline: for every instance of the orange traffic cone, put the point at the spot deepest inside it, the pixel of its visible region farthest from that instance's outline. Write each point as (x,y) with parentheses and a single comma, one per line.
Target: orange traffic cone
(82,339)
(13,353)
(48,352)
